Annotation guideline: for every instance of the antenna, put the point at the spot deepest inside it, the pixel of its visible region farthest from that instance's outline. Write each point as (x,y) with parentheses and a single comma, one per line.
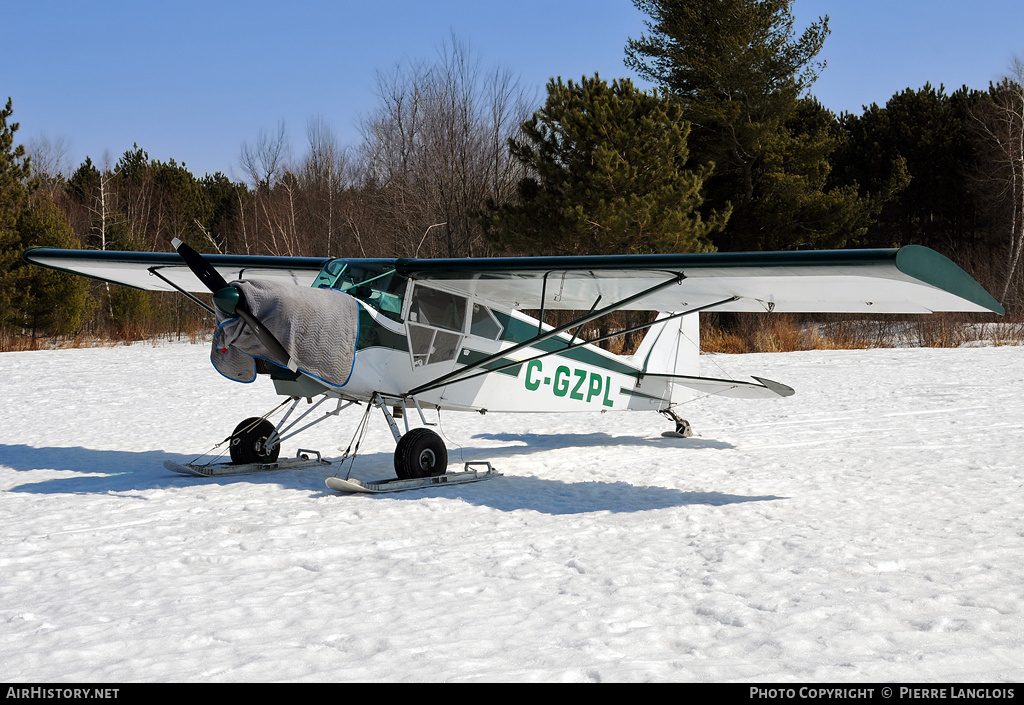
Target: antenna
(424,238)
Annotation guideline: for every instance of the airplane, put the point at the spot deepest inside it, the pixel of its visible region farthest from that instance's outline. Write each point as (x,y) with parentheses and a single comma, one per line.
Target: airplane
(404,334)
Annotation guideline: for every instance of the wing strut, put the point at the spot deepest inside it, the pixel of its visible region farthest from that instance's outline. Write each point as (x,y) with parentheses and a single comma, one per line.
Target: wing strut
(155,271)
(433,385)
(443,379)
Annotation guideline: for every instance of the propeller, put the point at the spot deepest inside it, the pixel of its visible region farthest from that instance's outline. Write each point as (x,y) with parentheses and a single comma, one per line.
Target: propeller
(231,301)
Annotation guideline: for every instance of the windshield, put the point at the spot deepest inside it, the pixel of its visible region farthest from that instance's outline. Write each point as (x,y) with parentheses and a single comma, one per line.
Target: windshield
(376,283)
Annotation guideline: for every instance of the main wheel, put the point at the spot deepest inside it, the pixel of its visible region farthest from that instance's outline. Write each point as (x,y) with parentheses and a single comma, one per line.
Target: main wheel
(420,453)
(249,442)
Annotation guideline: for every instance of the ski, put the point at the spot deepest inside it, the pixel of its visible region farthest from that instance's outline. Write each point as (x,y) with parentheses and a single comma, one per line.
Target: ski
(352,486)
(301,460)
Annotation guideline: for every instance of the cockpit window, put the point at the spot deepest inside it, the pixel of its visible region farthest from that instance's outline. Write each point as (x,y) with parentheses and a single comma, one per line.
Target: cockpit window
(376,284)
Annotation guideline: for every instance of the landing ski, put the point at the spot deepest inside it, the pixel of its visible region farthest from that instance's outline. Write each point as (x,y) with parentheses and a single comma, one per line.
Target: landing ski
(301,460)
(353,486)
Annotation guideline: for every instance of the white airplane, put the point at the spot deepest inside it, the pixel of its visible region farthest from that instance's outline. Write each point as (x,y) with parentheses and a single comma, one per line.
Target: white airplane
(404,334)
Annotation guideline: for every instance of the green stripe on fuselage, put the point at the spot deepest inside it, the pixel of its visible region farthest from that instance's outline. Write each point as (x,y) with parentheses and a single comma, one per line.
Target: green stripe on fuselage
(517,331)
(471,357)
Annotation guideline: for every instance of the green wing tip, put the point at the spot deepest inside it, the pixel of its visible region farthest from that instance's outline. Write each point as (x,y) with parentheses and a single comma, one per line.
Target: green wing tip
(930,267)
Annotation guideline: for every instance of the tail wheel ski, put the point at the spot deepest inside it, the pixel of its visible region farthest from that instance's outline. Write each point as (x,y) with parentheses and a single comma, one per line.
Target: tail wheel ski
(249,442)
(683,428)
(420,453)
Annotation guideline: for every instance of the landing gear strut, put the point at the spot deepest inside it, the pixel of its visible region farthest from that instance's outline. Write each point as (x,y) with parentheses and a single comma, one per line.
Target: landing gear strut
(420,452)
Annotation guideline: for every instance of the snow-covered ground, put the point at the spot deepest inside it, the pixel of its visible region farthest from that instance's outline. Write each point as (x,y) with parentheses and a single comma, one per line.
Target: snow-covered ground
(869,528)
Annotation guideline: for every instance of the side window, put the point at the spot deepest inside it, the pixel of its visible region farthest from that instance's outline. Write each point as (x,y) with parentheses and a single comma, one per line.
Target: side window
(438,309)
(421,341)
(436,323)
(484,324)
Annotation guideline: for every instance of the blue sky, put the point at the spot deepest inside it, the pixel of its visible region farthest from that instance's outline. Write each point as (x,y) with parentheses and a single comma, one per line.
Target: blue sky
(193,80)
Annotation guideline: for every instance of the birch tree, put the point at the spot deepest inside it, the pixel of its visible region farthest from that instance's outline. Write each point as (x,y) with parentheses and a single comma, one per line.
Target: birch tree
(1002,123)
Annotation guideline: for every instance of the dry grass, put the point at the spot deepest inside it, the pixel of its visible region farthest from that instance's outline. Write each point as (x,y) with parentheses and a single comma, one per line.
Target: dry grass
(21,341)
(746,333)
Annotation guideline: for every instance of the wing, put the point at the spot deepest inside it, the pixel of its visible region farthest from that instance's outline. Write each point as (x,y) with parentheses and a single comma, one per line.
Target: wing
(167,271)
(912,279)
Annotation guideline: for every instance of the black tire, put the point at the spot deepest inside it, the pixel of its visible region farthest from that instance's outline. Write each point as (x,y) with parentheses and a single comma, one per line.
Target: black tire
(248,442)
(420,453)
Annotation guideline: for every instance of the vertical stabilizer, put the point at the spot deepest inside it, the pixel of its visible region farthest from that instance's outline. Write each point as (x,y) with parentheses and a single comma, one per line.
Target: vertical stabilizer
(672,347)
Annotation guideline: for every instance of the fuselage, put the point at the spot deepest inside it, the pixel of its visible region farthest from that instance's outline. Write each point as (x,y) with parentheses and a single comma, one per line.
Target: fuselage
(412,333)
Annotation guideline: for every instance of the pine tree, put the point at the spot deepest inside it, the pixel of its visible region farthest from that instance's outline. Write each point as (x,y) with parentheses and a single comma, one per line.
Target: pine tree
(30,297)
(609,173)
(14,174)
(46,300)
(921,139)
(182,206)
(741,77)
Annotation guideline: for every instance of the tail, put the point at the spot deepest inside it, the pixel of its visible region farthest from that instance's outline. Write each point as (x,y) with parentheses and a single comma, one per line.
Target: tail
(669,356)
(672,347)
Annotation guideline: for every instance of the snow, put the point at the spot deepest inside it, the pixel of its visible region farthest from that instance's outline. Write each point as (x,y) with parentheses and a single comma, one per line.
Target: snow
(867,529)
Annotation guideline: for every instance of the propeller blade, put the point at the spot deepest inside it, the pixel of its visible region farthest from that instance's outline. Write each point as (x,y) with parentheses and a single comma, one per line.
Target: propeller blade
(200,267)
(216,283)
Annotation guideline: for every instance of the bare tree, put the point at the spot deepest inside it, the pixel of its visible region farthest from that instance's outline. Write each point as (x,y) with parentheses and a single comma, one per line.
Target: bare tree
(270,210)
(1002,123)
(389,155)
(323,177)
(436,149)
(264,162)
(102,207)
(48,159)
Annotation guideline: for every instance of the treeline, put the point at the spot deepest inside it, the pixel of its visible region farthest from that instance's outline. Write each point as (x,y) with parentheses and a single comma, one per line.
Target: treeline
(730,152)
(433,153)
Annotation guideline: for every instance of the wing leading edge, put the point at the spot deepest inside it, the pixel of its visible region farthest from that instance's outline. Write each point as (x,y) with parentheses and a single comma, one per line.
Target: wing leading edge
(154,270)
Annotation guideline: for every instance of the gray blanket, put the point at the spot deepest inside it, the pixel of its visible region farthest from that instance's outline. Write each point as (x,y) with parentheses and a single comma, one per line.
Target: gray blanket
(318,328)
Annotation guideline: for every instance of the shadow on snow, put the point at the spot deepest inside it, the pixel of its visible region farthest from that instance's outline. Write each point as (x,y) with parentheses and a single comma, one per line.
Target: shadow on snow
(103,471)
(534,442)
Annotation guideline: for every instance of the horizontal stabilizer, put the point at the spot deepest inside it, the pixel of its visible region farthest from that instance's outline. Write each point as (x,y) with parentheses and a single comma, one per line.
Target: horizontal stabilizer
(762,389)
(780,389)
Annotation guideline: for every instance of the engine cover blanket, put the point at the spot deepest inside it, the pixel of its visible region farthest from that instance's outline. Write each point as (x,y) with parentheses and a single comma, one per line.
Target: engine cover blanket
(318,328)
